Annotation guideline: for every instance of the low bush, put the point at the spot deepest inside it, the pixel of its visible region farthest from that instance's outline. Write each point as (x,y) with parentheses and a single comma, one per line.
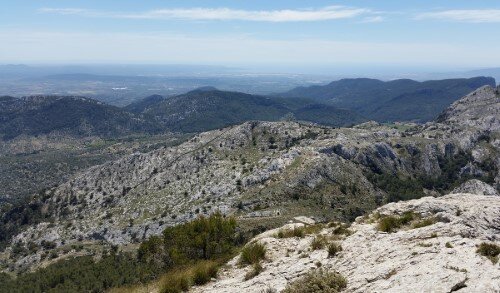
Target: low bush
(393,223)
(256,270)
(288,233)
(342,229)
(252,253)
(318,281)
(204,272)
(388,224)
(318,242)
(175,282)
(490,250)
(333,249)
(424,223)
(299,231)
(180,280)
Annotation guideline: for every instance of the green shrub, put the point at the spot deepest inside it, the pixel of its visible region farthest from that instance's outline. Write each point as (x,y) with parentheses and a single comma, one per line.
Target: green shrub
(490,250)
(448,245)
(333,249)
(203,238)
(252,253)
(256,270)
(388,224)
(392,223)
(318,281)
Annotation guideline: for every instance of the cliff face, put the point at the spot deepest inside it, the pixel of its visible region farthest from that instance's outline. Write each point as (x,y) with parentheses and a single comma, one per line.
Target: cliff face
(441,256)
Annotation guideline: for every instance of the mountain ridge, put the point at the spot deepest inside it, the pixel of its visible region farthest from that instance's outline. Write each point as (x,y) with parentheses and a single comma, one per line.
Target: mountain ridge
(385,101)
(208,108)
(73,115)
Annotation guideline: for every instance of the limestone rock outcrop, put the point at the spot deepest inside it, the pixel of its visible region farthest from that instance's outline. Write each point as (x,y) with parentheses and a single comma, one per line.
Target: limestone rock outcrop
(475,186)
(439,257)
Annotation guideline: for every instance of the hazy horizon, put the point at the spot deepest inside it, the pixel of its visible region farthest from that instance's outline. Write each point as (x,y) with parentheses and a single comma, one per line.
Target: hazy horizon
(380,71)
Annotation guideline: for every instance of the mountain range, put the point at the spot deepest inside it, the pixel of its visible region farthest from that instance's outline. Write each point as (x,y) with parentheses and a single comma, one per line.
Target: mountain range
(208,108)
(396,100)
(340,103)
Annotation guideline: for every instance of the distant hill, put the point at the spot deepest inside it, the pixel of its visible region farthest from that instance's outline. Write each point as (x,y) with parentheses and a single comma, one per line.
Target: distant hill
(141,105)
(209,108)
(396,100)
(76,116)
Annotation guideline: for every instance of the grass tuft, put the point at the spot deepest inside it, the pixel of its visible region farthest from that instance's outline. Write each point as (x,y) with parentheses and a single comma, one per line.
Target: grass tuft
(490,250)
(333,249)
(299,232)
(175,282)
(204,272)
(318,242)
(256,270)
(318,281)
(181,280)
(424,223)
(252,253)
(391,224)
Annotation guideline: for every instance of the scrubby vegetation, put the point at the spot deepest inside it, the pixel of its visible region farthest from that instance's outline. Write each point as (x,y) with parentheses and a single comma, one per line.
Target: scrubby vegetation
(190,252)
(333,249)
(341,229)
(299,231)
(424,223)
(205,271)
(20,215)
(392,223)
(181,279)
(256,270)
(175,282)
(253,253)
(399,188)
(82,274)
(318,242)
(490,250)
(318,281)
(203,238)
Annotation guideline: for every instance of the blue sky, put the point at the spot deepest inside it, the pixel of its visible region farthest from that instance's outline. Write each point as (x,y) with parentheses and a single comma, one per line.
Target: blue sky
(447,34)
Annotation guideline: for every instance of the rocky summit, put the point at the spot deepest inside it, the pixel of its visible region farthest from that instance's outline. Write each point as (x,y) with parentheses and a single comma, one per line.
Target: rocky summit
(440,256)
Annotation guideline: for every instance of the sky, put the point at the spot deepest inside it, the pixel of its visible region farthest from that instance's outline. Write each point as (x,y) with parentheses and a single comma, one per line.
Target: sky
(431,34)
